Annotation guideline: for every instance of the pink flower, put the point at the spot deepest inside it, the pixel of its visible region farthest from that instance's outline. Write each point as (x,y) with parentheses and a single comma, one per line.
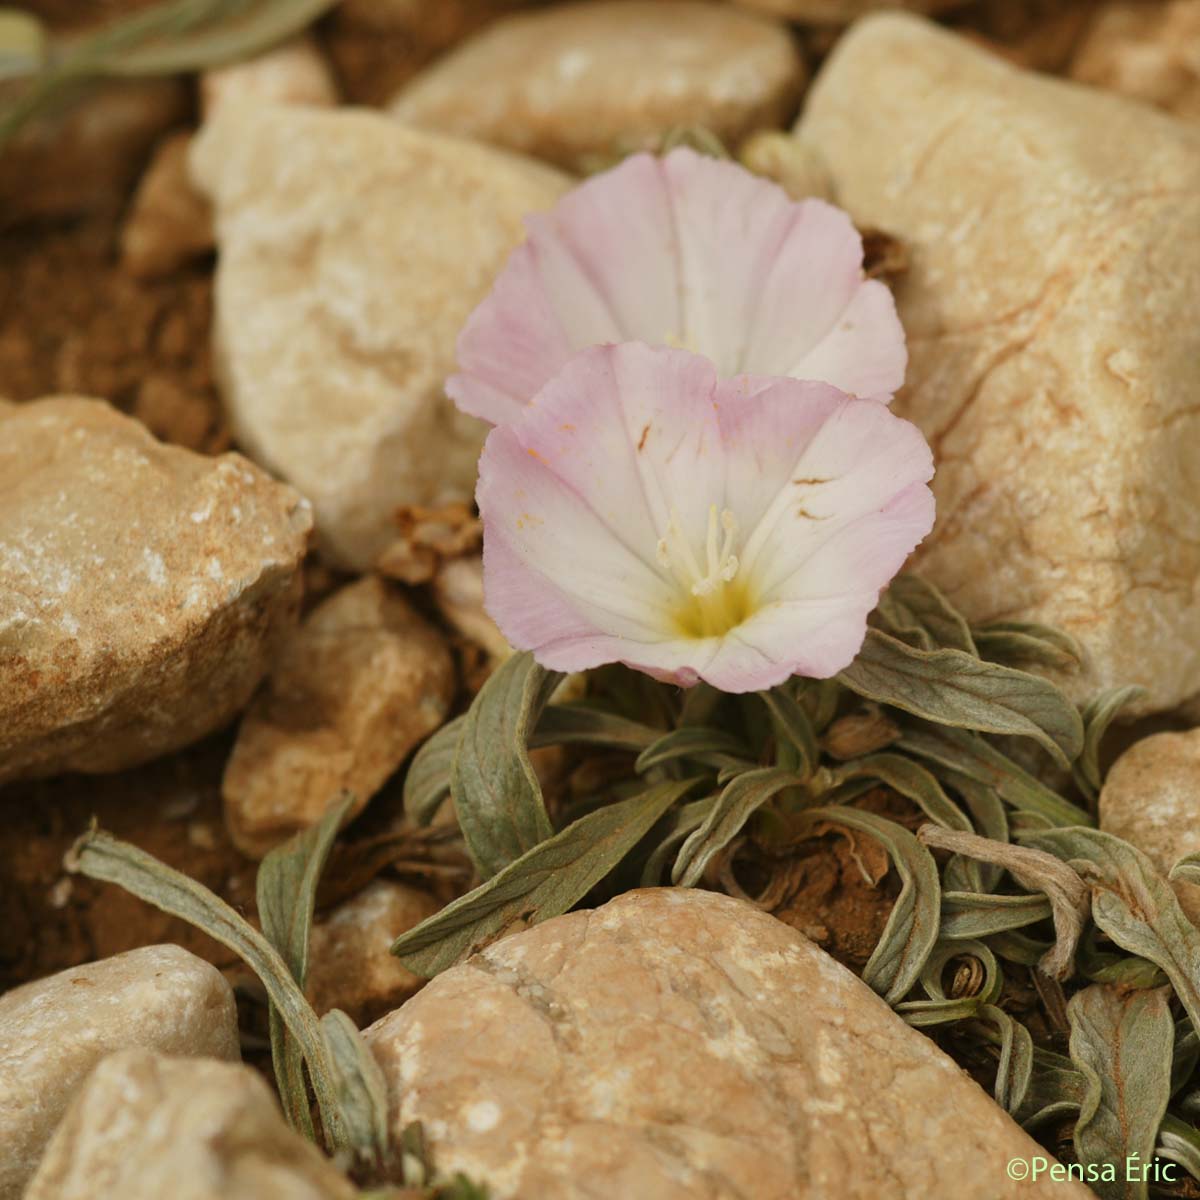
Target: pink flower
(641,510)
(682,251)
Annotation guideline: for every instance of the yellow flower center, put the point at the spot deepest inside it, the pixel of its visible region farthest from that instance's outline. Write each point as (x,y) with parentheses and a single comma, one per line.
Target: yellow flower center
(713,599)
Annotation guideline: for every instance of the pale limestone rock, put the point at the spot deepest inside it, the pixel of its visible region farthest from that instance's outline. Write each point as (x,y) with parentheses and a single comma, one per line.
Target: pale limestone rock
(53,1032)
(1151,798)
(1148,51)
(681,1044)
(83,155)
(149,1127)
(169,222)
(579,83)
(293,72)
(840,12)
(350,964)
(458,593)
(360,684)
(353,249)
(143,588)
(1053,355)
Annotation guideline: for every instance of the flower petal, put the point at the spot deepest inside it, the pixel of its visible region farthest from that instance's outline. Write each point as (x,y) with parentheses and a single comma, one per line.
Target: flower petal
(684,251)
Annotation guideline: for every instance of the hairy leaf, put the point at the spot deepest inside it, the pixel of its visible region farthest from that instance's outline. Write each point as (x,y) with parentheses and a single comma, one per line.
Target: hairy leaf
(1134,905)
(1018,642)
(794,730)
(951,687)
(1186,870)
(360,1087)
(287,891)
(916,612)
(912,927)
(1015,1070)
(1179,1142)
(697,743)
(1122,1044)
(962,754)
(101,856)
(582,725)
(683,820)
(542,883)
(911,780)
(742,797)
(972,914)
(496,792)
(427,783)
(1097,717)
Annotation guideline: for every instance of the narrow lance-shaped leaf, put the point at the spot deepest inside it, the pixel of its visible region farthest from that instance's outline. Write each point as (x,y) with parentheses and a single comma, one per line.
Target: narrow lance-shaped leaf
(1122,1044)
(696,743)
(950,687)
(542,883)
(101,856)
(286,891)
(1134,905)
(683,820)
(1179,1142)
(794,729)
(360,1088)
(912,781)
(913,606)
(1017,642)
(1037,871)
(1015,1069)
(912,928)
(427,783)
(1097,717)
(496,792)
(582,725)
(978,914)
(743,796)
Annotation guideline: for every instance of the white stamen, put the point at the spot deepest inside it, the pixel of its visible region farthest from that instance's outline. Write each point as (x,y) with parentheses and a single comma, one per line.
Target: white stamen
(674,552)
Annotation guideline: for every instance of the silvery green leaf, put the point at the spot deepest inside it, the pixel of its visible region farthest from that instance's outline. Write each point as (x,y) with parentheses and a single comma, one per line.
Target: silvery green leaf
(912,781)
(912,927)
(1122,1044)
(583,725)
(698,744)
(1098,715)
(944,952)
(22,43)
(496,792)
(1017,642)
(1134,905)
(819,698)
(1015,1070)
(990,818)
(976,915)
(544,882)
(951,687)
(960,753)
(700,705)
(1018,947)
(915,611)
(1187,1055)
(286,892)
(683,820)
(427,783)
(101,856)
(922,1014)
(1186,870)
(360,1088)
(1179,1142)
(741,798)
(793,730)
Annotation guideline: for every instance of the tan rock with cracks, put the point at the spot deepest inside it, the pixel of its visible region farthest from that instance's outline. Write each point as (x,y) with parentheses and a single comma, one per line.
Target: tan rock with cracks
(293,72)
(1054,270)
(1150,52)
(143,588)
(581,83)
(349,696)
(352,250)
(53,1032)
(350,964)
(149,1127)
(681,1044)
(1151,798)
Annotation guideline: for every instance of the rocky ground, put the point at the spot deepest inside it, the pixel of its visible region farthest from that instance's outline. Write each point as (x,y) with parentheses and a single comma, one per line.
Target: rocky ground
(250,584)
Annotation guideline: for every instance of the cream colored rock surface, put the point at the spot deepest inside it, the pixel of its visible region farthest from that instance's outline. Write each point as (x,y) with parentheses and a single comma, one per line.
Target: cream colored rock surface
(169,222)
(53,1032)
(360,684)
(143,588)
(458,593)
(580,83)
(352,249)
(149,1127)
(840,12)
(1151,798)
(350,965)
(1148,51)
(681,1045)
(294,72)
(1052,354)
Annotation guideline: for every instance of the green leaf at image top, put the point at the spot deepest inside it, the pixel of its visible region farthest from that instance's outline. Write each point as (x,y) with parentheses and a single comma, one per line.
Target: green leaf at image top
(496,791)
(544,882)
(1122,1042)
(952,687)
